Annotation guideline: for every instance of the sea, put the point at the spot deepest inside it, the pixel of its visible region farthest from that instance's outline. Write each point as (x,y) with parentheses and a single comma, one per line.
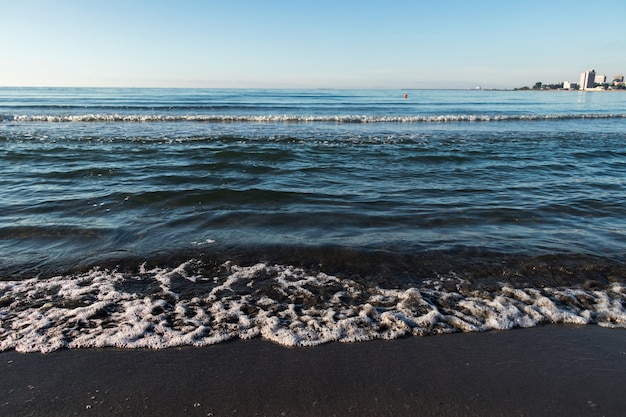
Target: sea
(153,218)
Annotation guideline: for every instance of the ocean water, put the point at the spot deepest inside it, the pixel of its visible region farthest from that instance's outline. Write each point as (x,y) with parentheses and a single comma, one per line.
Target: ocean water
(157,217)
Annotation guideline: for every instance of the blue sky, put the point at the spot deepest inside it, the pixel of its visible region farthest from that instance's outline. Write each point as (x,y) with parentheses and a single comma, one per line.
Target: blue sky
(309,44)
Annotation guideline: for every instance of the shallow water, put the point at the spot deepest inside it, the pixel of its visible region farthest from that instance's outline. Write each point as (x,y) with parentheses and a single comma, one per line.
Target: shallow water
(135,217)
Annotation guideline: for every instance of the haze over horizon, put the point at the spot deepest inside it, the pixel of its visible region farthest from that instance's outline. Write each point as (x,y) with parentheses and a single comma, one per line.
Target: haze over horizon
(322,44)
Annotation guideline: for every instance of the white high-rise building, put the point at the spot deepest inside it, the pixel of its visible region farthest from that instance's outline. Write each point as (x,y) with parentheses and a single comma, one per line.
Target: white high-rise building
(587,80)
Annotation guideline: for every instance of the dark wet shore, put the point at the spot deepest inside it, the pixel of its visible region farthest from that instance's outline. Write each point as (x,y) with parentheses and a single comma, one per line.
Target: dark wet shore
(551,370)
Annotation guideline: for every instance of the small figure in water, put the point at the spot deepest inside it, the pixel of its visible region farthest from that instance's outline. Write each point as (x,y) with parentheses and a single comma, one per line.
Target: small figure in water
(406,96)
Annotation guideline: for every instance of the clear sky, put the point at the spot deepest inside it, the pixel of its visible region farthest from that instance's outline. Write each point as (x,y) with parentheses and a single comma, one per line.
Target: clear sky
(309,43)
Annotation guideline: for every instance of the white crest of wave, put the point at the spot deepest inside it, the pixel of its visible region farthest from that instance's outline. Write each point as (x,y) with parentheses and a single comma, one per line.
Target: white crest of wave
(222,118)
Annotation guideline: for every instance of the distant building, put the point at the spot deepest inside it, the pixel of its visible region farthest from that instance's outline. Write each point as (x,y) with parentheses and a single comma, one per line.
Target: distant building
(618,79)
(569,85)
(587,80)
(600,79)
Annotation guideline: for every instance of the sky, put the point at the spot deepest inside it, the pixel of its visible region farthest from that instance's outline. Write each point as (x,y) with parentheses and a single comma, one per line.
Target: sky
(309,43)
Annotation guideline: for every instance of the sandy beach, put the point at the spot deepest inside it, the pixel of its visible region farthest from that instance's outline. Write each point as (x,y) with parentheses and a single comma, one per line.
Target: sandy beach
(550,370)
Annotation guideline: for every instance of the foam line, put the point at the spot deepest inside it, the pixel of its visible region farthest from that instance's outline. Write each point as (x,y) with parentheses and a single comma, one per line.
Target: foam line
(284,304)
(444,118)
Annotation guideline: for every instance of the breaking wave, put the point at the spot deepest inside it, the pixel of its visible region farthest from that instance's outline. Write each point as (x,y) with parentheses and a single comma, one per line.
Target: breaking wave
(165,307)
(448,118)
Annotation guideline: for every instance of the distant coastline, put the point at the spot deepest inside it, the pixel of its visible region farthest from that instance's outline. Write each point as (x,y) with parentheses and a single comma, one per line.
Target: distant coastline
(589,81)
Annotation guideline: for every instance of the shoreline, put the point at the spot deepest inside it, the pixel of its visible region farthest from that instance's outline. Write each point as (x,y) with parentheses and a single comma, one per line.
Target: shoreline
(547,370)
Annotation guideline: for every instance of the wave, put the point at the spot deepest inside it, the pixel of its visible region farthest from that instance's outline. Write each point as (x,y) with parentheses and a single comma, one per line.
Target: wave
(449,118)
(192,305)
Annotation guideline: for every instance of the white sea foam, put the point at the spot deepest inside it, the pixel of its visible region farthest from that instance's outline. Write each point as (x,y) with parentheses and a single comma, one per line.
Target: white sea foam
(206,242)
(217,118)
(159,308)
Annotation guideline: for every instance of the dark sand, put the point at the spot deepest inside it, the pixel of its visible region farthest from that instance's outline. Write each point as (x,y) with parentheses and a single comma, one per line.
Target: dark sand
(544,371)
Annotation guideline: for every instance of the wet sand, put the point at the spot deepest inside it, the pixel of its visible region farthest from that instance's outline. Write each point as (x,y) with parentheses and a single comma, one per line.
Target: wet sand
(544,371)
